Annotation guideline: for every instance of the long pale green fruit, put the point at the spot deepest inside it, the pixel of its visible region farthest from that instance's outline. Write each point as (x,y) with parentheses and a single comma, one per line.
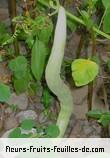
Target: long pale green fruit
(54,81)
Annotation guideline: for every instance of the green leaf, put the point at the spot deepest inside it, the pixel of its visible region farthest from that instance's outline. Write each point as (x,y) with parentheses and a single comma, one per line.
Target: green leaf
(21,85)
(47,98)
(96,114)
(16,133)
(94,2)
(84,71)
(45,32)
(4,38)
(106,3)
(106,21)
(3,28)
(18,66)
(44,26)
(39,54)
(26,135)
(4,35)
(32,88)
(30,41)
(5,93)
(104,120)
(52,131)
(71,25)
(107,113)
(28,124)
(87,19)
(46,2)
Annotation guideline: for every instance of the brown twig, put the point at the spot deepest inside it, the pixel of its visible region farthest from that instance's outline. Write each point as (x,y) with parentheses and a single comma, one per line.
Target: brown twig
(91,85)
(2,116)
(104,90)
(80,46)
(93,37)
(13,13)
(90,95)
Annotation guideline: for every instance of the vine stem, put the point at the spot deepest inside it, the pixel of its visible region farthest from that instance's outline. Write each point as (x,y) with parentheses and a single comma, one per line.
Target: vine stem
(93,37)
(77,19)
(102,18)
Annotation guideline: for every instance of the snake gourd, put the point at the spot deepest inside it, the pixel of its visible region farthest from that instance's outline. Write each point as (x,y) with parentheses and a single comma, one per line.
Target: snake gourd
(52,74)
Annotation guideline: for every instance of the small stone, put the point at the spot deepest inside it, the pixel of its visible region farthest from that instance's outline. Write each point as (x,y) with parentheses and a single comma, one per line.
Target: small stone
(97,129)
(20,101)
(10,122)
(76,132)
(85,123)
(43,118)
(87,130)
(33,131)
(8,110)
(23,115)
(39,106)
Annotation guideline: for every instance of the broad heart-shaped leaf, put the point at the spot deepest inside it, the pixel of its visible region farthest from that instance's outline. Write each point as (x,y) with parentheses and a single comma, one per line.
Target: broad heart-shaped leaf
(84,71)
(5,92)
(28,124)
(106,21)
(105,120)
(106,3)
(38,59)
